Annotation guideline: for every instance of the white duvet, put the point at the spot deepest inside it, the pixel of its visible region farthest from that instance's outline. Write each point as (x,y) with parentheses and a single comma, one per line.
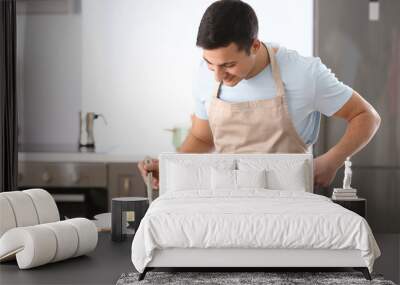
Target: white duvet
(250,219)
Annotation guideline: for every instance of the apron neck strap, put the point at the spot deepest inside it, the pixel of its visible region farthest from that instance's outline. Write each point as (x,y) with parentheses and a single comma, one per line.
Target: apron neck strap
(217,87)
(276,74)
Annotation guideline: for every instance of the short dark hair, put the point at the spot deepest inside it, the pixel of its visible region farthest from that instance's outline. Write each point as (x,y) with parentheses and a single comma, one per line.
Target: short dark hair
(227,21)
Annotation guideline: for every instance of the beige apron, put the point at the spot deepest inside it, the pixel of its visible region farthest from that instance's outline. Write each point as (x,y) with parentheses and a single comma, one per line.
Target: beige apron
(261,126)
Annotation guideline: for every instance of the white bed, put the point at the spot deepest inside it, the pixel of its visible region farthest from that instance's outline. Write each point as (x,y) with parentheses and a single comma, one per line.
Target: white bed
(201,220)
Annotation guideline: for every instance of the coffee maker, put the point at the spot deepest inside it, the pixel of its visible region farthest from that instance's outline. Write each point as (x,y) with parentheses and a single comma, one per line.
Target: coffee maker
(86,133)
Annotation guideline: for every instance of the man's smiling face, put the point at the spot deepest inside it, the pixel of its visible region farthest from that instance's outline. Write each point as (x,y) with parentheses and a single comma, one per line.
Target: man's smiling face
(229,64)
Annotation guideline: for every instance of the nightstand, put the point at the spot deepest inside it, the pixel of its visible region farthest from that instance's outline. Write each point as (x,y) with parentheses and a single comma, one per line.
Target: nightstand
(358,205)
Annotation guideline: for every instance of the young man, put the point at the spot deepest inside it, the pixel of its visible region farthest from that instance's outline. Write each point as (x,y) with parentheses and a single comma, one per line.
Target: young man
(255,97)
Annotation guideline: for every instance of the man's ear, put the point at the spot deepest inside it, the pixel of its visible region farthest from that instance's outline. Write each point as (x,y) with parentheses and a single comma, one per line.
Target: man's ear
(255,46)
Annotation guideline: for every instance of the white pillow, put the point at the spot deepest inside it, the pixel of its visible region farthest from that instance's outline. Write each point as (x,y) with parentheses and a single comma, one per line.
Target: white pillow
(223,179)
(226,179)
(187,175)
(293,180)
(251,178)
(282,174)
(182,177)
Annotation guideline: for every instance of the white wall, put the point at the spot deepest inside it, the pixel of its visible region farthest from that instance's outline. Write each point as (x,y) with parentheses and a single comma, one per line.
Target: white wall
(139,57)
(135,66)
(49,76)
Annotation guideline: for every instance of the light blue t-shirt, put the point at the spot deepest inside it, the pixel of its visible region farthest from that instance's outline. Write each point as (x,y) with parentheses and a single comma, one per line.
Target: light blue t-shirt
(311,89)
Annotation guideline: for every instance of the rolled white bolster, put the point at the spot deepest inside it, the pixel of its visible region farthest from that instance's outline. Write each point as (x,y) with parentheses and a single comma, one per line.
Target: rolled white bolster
(40,244)
(23,208)
(45,205)
(7,218)
(67,240)
(34,245)
(87,235)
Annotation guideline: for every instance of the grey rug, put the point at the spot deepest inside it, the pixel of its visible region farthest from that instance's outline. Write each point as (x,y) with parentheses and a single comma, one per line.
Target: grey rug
(225,278)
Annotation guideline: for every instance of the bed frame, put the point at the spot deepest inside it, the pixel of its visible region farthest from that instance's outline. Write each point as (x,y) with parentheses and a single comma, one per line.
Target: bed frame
(248,259)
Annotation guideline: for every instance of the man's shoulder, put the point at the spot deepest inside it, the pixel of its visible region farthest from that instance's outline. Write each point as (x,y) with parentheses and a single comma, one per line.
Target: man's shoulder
(202,71)
(203,81)
(295,65)
(286,56)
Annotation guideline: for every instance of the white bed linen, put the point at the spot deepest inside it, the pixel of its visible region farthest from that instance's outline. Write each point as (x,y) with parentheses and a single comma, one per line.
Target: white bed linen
(251,218)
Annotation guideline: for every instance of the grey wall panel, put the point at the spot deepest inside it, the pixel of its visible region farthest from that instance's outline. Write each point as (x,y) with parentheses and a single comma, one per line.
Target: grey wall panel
(365,55)
(49,71)
(380,186)
(381,189)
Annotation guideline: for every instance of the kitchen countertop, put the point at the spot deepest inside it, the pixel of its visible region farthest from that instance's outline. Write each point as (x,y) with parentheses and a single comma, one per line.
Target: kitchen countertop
(70,153)
(78,157)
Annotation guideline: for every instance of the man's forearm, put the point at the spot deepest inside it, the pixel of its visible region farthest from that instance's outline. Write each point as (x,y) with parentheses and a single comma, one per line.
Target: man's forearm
(192,144)
(359,132)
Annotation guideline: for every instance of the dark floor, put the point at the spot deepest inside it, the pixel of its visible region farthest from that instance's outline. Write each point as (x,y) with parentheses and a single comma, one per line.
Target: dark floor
(389,262)
(103,266)
(110,260)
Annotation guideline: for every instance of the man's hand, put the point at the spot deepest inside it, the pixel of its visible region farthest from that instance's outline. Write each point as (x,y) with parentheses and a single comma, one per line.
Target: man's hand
(151,167)
(199,140)
(324,170)
(363,122)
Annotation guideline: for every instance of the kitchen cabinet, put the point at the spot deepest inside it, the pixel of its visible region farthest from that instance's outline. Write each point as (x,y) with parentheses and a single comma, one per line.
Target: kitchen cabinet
(124,180)
(105,175)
